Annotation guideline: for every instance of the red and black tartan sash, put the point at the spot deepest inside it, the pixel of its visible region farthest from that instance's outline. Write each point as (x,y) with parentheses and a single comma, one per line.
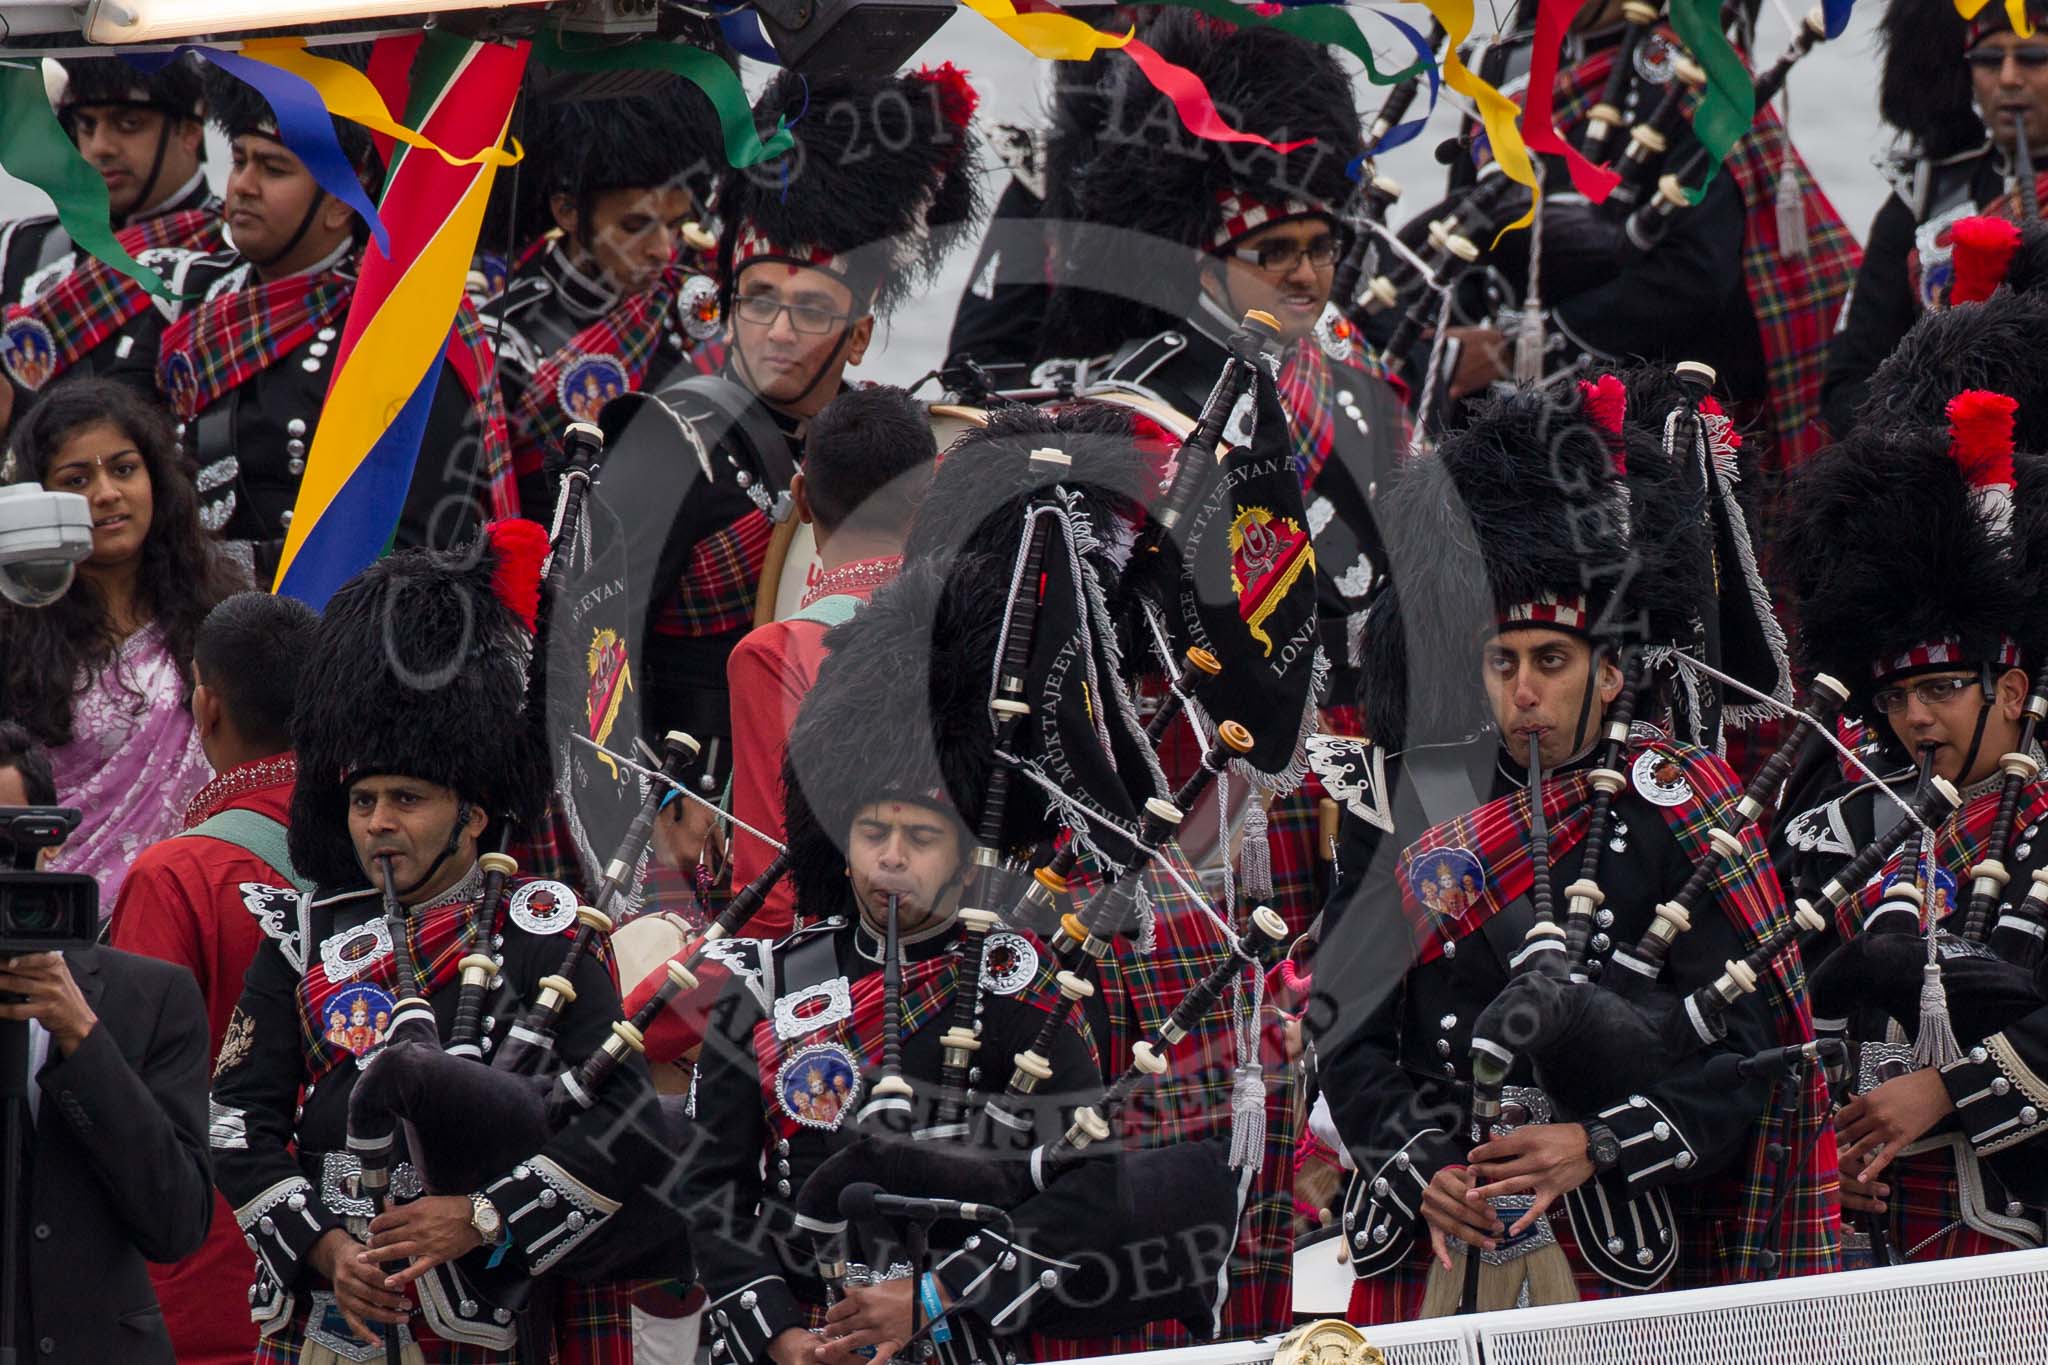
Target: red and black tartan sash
(469,356)
(440,939)
(857,1039)
(1958,844)
(95,300)
(629,334)
(1795,298)
(220,344)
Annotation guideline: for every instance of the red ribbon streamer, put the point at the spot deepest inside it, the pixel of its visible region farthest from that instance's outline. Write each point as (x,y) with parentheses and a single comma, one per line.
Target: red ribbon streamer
(1539,130)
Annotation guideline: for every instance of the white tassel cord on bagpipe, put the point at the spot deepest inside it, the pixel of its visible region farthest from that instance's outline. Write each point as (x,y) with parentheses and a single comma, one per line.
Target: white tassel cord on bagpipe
(1248,1086)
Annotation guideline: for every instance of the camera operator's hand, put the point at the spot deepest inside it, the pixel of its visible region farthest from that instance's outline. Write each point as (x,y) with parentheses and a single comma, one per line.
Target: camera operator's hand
(53,997)
(358,1284)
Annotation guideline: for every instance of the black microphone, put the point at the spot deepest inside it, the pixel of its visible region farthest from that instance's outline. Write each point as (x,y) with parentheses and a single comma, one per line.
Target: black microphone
(1726,1068)
(865,1199)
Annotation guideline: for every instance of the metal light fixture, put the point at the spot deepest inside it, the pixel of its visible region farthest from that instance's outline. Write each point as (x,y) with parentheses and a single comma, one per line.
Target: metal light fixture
(144,21)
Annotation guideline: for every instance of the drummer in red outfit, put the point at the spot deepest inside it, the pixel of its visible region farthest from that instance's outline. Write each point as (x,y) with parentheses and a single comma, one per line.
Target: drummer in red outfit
(868,458)
(205,899)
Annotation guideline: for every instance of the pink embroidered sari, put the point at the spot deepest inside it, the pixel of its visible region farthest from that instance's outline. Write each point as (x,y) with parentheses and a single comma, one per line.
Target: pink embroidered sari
(133,763)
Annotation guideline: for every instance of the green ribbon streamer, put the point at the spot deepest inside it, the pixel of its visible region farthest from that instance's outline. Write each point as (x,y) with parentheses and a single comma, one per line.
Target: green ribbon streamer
(35,148)
(1728,105)
(1328,24)
(743,145)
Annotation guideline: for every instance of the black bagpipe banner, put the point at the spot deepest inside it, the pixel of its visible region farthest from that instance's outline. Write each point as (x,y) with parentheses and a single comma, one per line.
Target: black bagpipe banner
(1085,737)
(1249,596)
(593,690)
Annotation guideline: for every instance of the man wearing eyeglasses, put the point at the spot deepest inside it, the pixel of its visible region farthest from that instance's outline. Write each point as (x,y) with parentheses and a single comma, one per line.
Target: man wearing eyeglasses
(819,244)
(1913,592)
(1963,91)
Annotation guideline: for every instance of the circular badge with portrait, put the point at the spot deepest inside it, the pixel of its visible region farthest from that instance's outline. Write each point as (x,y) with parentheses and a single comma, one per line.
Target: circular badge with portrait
(817,1086)
(356,1018)
(588,383)
(29,352)
(1447,881)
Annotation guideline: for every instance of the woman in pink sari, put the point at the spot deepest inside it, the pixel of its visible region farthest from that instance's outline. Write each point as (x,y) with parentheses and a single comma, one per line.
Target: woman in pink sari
(103,676)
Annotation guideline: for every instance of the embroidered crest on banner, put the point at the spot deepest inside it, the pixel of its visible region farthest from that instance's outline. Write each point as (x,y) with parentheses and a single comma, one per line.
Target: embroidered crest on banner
(813,1008)
(1008,963)
(817,1086)
(1660,779)
(543,907)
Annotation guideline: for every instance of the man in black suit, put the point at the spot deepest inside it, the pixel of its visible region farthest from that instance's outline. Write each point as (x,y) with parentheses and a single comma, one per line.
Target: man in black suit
(114,1166)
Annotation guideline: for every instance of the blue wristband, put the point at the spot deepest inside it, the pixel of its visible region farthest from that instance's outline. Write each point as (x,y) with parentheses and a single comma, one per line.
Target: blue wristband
(928,1293)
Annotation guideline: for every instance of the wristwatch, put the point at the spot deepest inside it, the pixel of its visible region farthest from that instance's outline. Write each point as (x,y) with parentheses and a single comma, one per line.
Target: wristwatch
(488,1222)
(1603,1149)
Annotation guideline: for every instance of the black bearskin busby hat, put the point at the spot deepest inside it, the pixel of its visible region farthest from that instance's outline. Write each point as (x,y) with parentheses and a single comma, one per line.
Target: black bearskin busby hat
(883,181)
(900,712)
(1898,547)
(1924,89)
(1145,200)
(422,660)
(986,479)
(583,148)
(178,89)
(1522,517)
(235,107)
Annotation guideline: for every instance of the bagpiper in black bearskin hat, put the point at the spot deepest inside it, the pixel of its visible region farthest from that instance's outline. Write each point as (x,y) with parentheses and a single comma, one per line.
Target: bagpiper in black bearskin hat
(1898,547)
(884,181)
(1544,510)
(423,660)
(1924,88)
(900,712)
(1147,202)
(583,148)
(235,107)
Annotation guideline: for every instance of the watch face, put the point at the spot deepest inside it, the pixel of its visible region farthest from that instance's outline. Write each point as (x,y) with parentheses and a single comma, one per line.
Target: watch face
(486,1218)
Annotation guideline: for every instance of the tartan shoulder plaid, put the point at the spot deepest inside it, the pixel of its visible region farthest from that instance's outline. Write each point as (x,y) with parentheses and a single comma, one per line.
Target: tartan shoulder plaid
(469,355)
(1731,1222)
(95,300)
(629,337)
(439,938)
(1796,298)
(222,342)
(1959,843)
(720,580)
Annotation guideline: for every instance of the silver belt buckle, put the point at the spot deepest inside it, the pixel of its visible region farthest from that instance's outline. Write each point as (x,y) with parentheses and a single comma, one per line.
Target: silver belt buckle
(341,1185)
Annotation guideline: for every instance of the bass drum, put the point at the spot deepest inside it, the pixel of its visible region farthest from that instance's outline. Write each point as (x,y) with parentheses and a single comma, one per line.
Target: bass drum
(791,568)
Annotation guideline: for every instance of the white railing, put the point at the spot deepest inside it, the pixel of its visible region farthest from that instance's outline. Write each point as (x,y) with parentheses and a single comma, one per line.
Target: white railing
(1984,1310)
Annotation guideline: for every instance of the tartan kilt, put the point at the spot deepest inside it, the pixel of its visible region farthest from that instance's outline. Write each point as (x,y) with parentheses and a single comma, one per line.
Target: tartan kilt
(593,1326)
(1926,1213)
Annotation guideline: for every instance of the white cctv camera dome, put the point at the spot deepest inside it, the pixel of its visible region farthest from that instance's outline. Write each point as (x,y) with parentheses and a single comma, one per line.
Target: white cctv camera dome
(43,535)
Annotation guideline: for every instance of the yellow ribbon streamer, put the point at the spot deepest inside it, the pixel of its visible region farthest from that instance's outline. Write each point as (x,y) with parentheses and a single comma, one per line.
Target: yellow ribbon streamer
(389,358)
(349,94)
(1497,113)
(1054,37)
(2015,14)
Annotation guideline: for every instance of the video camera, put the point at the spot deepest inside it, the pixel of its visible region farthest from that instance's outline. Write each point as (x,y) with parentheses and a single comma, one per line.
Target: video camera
(42,912)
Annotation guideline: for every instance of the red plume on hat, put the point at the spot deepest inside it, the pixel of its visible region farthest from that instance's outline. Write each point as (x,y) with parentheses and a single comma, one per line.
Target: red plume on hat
(521,547)
(1980,425)
(958,98)
(1983,247)
(1605,402)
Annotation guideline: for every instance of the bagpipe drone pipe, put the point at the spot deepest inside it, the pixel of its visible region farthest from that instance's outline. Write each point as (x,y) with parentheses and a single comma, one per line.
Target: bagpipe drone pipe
(1457,245)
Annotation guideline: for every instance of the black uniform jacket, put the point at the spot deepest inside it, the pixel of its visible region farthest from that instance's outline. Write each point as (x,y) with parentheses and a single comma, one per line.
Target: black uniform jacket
(1883,305)
(1395,1047)
(743,1178)
(280,1155)
(116,1168)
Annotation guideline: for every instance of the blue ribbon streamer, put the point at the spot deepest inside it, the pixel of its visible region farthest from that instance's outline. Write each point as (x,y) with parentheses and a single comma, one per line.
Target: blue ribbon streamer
(1407,132)
(303,123)
(742,28)
(1836,14)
